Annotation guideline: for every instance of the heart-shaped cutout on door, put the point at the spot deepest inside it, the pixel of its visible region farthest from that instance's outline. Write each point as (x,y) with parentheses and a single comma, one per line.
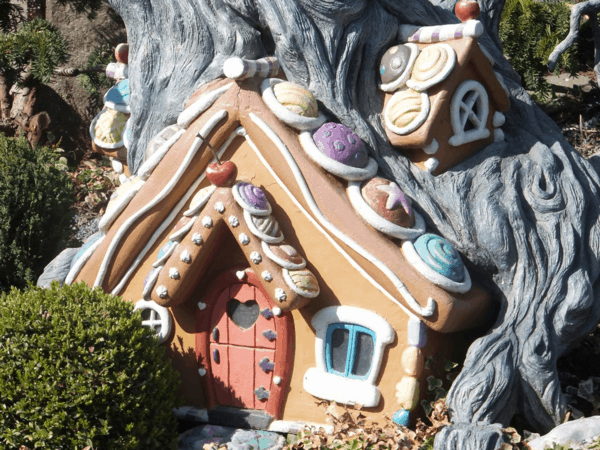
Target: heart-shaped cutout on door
(244,315)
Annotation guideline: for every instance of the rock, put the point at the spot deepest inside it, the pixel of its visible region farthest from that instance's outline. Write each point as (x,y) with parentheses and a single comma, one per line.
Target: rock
(235,439)
(578,432)
(58,268)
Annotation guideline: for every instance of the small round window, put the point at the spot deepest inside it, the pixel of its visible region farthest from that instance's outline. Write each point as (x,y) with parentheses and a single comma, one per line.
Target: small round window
(156,317)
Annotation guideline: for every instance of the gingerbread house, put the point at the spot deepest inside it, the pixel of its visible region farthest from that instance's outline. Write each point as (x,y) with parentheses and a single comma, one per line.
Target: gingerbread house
(275,264)
(443,100)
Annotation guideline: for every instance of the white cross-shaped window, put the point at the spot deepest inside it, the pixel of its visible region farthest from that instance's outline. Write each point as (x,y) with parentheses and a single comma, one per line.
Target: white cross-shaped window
(156,317)
(469,112)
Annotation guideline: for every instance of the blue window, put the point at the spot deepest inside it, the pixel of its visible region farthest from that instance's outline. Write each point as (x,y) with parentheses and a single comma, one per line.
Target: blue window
(349,350)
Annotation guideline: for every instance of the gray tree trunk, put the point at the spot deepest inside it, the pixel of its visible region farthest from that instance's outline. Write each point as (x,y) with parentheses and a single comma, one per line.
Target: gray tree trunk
(524,212)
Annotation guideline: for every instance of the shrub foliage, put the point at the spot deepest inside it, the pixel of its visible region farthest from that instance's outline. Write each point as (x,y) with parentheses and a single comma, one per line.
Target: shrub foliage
(529,31)
(78,369)
(35,197)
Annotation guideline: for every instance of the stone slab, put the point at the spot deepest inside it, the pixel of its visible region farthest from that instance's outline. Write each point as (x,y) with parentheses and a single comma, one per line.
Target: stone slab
(576,434)
(234,438)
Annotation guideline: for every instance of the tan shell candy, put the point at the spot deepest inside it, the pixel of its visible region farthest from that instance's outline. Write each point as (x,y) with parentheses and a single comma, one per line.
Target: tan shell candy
(267,225)
(430,62)
(305,281)
(296,99)
(200,196)
(404,107)
(287,253)
(110,126)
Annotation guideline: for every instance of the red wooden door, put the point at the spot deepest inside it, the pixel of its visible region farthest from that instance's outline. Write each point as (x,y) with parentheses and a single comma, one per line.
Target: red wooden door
(245,345)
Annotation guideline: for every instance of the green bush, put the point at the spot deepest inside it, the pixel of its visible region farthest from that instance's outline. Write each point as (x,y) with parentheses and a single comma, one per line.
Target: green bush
(529,31)
(35,198)
(78,369)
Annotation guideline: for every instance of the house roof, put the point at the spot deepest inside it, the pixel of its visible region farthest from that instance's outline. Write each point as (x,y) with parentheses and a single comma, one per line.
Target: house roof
(330,202)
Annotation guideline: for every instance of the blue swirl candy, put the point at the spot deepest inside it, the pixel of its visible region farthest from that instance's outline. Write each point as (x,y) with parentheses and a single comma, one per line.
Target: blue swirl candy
(439,254)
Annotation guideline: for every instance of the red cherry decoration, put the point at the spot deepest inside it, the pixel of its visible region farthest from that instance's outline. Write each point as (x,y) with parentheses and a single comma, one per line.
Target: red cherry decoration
(122,53)
(221,174)
(467,10)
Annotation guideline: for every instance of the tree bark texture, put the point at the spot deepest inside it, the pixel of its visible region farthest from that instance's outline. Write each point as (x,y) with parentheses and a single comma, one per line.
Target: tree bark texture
(524,211)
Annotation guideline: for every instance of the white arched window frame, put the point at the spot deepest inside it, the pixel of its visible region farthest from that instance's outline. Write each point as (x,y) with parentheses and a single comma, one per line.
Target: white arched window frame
(469,106)
(156,317)
(320,382)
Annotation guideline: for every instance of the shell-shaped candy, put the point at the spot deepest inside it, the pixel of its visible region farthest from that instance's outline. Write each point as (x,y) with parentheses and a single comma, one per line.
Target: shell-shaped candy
(341,144)
(109,127)
(287,253)
(405,106)
(252,195)
(441,256)
(162,137)
(431,61)
(296,99)
(267,225)
(387,200)
(413,361)
(306,283)
(180,224)
(201,196)
(394,62)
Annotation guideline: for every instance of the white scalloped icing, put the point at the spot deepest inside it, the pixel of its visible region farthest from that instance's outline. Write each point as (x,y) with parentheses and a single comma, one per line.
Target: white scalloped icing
(416,122)
(288,280)
(401,80)
(331,165)
(378,222)
(441,76)
(282,262)
(117,205)
(436,278)
(183,230)
(294,120)
(245,205)
(259,234)
(199,106)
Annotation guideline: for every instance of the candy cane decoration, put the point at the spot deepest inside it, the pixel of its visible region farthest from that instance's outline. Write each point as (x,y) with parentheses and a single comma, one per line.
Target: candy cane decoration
(412,33)
(240,68)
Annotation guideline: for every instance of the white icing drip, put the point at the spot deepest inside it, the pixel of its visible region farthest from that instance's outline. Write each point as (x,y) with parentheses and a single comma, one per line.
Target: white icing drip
(167,255)
(82,260)
(499,119)
(288,280)
(294,120)
(212,122)
(116,165)
(404,76)
(425,312)
(199,106)
(441,76)
(415,123)
(244,239)
(498,135)
(266,275)
(185,257)
(197,239)
(432,148)
(240,274)
(277,380)
(183,230)
(380,223)
(201,306)
(282,262)
(277,311)
(331,165)
(233,221)
(247,207)
(150,164)
(202,371)
(123,178)
(437,278)
(173,273)
(431,164)
(195,209)
(162,291)
(259,234)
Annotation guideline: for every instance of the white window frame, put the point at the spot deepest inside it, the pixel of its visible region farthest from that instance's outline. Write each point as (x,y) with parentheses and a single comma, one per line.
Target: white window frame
(159,316)
(461,112)
(329,386)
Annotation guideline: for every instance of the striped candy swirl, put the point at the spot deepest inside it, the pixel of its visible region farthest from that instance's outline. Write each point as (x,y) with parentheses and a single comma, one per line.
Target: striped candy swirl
(439,254)
(253,195)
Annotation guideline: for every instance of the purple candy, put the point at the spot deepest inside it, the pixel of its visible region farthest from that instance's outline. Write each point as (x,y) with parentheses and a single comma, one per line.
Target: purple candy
(253,196)
(341,144)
